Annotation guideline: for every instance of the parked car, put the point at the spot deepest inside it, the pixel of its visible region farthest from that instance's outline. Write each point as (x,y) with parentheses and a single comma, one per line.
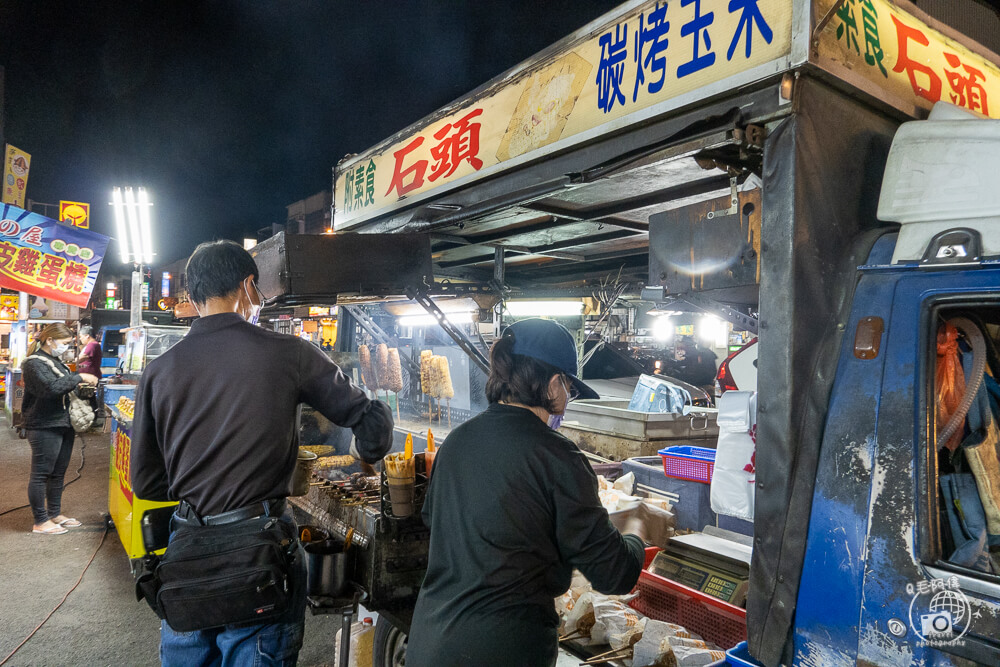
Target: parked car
(738,371)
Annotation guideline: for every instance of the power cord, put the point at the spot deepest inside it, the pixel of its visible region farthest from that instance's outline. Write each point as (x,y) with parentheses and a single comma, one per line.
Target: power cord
(79,474)
(56,608)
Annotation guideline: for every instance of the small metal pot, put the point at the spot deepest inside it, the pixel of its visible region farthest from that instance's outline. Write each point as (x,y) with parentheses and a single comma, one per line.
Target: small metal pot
(326,563)
(303,472)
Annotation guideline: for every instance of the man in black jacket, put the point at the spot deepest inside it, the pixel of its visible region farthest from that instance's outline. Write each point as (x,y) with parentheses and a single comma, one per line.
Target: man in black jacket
(215,429)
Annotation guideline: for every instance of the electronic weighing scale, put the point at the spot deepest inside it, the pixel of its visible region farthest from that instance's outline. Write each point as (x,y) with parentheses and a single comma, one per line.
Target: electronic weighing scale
(708,563)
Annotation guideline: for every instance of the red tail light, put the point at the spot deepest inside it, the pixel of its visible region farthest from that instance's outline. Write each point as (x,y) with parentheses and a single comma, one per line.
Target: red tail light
(724,379)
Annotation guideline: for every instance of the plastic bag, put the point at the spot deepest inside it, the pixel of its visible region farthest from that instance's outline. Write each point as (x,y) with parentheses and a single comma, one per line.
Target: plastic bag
(949,380)
(734,476)
(615,622)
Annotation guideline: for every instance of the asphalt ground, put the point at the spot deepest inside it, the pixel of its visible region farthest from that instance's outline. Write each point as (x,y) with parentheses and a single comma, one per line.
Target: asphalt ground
(100,622)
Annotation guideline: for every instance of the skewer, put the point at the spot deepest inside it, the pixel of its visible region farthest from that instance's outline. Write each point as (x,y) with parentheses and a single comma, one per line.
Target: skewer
(606,657)
(572,635)
(398,418)
(611,652)
(449,413)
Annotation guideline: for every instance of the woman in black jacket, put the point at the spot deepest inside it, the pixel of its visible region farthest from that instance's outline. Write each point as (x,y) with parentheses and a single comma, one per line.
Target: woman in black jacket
(46,419)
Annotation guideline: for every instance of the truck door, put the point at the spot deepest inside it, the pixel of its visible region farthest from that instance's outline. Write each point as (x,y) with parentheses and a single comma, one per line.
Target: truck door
(931,591)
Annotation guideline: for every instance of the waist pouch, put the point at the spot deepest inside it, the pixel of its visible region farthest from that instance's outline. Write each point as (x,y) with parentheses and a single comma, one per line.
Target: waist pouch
(212,576)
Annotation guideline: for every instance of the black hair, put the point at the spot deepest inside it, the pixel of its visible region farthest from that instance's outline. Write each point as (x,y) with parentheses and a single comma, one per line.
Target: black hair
(515,378)
(217,268)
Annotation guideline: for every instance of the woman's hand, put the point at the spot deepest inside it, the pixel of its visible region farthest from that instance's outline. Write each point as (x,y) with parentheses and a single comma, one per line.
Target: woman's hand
(89,379)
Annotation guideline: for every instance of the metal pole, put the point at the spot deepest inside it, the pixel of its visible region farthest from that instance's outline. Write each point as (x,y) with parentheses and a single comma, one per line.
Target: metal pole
(135,315)
(345,638)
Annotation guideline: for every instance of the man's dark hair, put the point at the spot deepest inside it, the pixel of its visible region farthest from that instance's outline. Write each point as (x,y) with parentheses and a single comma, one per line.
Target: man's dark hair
(515,378)
(217,268)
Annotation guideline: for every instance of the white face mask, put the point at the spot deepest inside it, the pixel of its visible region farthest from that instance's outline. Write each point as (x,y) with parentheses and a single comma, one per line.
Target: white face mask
(254,310)
(59,350)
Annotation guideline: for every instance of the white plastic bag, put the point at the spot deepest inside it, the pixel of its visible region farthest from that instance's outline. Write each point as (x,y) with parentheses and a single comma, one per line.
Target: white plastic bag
(734,477)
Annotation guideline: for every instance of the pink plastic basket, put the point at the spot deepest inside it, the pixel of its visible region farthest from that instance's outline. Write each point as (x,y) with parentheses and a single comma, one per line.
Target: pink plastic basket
(694,464)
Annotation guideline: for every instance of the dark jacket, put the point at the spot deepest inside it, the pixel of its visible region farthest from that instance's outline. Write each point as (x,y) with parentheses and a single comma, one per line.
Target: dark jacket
(215,415)
(513,507)
(45,403)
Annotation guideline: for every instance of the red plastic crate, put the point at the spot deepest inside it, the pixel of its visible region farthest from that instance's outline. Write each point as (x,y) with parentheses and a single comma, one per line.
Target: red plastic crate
(694,464)
(665,600)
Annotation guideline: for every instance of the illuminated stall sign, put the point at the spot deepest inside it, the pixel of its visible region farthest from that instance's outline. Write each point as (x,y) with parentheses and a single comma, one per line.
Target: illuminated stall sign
(77,213)
(43,258)
(15,175)
(123,457)
(651,56)
(897,53)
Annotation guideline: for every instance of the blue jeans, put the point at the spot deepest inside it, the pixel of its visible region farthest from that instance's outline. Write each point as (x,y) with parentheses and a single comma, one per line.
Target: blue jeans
(271,645)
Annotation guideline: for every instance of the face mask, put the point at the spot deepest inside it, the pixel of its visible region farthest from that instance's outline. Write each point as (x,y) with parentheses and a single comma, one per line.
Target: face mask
(59,350)
(254,310)
(555,421)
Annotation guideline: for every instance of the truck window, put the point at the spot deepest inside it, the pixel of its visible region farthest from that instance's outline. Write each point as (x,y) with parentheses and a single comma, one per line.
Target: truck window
(964,411)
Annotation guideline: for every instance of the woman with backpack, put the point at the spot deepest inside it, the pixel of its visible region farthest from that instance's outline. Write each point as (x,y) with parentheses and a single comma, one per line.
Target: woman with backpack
(45,409)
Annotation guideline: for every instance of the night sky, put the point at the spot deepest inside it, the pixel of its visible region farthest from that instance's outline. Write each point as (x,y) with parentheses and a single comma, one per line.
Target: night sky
(229,111)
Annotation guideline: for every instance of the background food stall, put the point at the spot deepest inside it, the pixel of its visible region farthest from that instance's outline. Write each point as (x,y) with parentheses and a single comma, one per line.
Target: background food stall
(126,512)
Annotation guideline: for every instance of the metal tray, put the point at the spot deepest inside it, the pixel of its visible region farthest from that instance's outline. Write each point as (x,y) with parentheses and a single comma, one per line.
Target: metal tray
(612,417)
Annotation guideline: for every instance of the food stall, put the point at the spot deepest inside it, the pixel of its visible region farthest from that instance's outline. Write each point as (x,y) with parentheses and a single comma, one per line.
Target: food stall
(126,512)
(726,178)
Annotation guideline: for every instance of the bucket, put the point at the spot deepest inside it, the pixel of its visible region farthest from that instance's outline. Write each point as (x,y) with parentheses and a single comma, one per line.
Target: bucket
(303,472)
(326,565)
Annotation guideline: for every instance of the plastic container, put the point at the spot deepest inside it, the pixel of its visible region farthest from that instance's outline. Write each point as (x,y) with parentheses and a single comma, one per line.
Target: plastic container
(665,600)
(112,392)
(740,655)
(691,500)
(691,463)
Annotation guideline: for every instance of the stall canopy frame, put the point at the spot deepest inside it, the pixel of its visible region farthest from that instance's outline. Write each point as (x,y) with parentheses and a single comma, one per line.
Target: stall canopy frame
(825,114)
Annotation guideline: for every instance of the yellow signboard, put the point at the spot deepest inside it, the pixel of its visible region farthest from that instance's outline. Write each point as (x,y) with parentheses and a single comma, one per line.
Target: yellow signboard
(606,79)
(898,55)
(75,212)
(15,176)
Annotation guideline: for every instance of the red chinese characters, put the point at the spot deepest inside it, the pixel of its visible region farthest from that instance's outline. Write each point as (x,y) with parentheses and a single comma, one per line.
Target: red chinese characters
(930,88)
(26,262)
(965,81)
(967,91)
(48,272)
(457,142)
(33,236)
(74,277)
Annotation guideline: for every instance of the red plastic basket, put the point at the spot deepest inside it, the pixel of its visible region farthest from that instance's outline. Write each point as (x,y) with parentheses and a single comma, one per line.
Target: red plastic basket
(694,464)
(665,600)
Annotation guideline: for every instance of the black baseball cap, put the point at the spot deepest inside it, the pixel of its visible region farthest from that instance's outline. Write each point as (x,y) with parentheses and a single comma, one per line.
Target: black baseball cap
(551,343)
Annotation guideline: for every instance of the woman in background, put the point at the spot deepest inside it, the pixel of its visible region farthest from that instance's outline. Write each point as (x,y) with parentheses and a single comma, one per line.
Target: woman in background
(47,384)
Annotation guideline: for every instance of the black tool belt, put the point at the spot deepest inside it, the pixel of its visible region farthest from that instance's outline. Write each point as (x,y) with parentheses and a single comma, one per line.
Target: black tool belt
(187,515)
(222,569)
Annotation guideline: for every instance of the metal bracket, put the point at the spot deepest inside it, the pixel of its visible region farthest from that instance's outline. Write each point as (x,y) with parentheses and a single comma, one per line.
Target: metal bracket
(742,320)
(734,201)
(456,334)
(380,336)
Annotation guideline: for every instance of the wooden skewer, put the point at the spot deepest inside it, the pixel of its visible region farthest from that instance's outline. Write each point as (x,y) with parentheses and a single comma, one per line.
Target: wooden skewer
(572,635)
(398,418)
(611,652)
(449,413)
(606,657)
